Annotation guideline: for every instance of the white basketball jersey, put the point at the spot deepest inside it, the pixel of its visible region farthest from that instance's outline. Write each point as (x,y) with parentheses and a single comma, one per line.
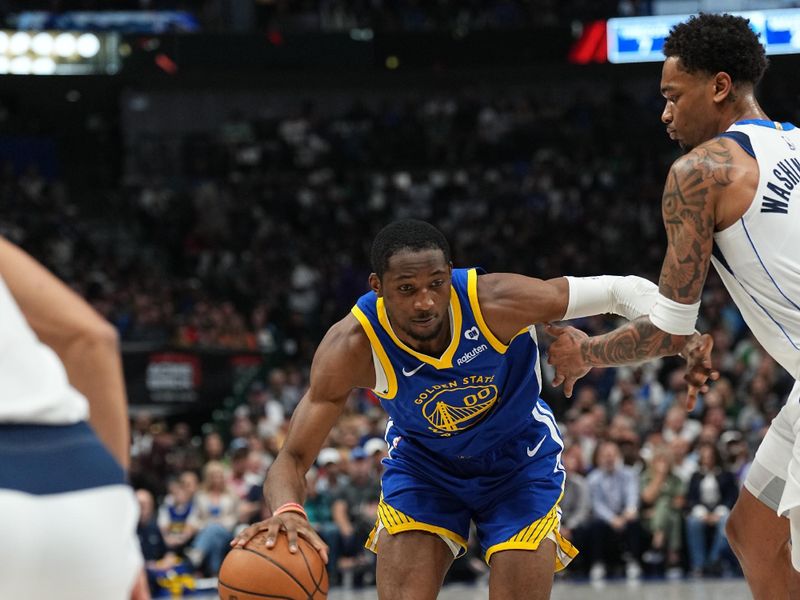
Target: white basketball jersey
(33,383)
(758,257)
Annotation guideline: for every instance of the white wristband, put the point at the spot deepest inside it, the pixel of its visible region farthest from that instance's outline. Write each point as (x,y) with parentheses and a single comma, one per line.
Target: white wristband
(673,317)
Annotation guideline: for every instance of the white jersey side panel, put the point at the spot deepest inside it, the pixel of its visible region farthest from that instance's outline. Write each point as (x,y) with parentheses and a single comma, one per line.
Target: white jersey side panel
(758,257)
(33,383)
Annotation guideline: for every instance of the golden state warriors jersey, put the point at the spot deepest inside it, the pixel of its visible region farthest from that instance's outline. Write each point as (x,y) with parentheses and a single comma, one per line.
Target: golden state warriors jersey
(478,393)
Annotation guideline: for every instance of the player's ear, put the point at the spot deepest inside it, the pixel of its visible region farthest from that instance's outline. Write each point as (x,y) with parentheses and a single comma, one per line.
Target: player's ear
(723,86)
(375,283)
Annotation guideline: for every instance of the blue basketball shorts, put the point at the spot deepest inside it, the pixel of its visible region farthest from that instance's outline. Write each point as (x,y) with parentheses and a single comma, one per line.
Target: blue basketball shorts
(511,493)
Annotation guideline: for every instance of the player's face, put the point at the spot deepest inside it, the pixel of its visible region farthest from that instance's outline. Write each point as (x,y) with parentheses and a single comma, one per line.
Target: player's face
(690,111)
(416,292)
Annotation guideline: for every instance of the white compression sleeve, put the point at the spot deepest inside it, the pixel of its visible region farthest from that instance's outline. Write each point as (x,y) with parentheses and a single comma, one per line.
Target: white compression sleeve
(630,297)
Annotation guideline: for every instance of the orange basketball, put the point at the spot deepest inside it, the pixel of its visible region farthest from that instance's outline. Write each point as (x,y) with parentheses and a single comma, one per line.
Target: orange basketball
(256,572)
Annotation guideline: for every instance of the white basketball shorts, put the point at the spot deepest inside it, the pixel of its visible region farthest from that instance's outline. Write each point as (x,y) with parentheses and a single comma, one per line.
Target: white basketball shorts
(67,517)
(774,477)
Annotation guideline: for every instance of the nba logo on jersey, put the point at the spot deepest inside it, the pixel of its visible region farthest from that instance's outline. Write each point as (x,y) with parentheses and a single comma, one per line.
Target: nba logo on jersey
(471,333)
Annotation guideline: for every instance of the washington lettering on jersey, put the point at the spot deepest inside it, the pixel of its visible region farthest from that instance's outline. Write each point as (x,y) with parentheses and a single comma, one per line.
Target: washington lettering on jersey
(787,176)
(479,390)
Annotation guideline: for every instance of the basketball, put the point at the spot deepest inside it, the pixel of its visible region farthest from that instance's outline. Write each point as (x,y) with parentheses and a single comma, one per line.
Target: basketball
(256,572)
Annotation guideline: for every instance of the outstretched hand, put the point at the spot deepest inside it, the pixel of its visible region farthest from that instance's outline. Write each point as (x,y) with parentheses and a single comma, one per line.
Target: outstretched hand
(565,355)
(697,353)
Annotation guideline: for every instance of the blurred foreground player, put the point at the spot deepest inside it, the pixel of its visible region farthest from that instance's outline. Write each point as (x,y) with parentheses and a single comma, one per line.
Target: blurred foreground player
(68,518)
(453,355)
(733,201)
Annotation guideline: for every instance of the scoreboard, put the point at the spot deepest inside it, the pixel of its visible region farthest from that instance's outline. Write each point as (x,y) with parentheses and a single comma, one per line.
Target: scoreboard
(641,39)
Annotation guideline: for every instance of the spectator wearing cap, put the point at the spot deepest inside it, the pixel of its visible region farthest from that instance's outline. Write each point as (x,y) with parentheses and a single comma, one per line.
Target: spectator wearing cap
(376,450)
(332,472)
(355,507)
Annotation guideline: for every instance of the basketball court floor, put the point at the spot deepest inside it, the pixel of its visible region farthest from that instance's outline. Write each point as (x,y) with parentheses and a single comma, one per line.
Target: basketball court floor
(725,589)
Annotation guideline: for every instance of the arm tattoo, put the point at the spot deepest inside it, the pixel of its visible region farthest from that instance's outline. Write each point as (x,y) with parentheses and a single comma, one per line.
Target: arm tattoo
(688,210)
(635,342)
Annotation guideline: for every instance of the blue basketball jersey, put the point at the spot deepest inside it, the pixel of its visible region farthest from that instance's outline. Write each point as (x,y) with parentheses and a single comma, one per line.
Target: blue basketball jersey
(479,393)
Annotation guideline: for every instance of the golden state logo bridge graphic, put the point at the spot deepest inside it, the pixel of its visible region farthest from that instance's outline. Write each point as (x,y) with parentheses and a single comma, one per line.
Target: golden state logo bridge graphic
(456,409)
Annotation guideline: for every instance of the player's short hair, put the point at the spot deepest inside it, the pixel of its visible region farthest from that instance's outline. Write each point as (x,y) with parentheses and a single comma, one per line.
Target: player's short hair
(714,43)
(407,234)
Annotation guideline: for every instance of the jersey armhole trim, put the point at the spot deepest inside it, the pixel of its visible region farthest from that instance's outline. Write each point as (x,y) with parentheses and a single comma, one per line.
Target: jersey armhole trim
(378,350)
(472,292)
(742,139)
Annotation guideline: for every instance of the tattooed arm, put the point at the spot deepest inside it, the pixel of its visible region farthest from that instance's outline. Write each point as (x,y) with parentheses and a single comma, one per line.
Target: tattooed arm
(694,183)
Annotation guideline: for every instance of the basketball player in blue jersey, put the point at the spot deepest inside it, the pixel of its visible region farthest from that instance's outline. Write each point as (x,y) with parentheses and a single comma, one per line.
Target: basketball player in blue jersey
(732,201)
(453,356)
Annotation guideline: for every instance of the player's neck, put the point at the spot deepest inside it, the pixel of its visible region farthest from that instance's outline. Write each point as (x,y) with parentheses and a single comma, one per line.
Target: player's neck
(744,109)
(434,347)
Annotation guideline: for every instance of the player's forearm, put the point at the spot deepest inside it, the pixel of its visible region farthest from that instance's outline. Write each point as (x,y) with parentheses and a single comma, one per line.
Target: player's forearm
(635,342)
(285,482)
(94,367)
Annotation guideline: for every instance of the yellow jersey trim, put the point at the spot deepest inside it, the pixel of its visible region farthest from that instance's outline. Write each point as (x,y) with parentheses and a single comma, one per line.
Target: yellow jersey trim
(391,376)
(446,360)
(395,521)
(472,290)
(530,537)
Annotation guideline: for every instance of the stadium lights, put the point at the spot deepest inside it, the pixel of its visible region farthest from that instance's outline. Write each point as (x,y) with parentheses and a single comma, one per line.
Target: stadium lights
(65,44)
(21,65)
(43,66)
(19,43)
(42,44)
(88,45)
(58,53)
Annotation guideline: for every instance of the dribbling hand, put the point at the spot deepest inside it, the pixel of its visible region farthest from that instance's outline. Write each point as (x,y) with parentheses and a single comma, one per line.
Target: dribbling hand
(293,524)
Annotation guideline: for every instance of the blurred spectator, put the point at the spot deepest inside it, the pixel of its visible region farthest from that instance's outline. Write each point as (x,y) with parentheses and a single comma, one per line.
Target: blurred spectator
(214,515)
(678,425)
(710,497)
(153,547)
(576,504)
(355,509)
(213,447)
(332,473)
(173,516)
(318,506)
(663,497)
(615,530)
(376,450)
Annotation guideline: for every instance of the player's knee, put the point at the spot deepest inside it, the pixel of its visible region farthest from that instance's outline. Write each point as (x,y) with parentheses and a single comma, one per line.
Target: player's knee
(733,531)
